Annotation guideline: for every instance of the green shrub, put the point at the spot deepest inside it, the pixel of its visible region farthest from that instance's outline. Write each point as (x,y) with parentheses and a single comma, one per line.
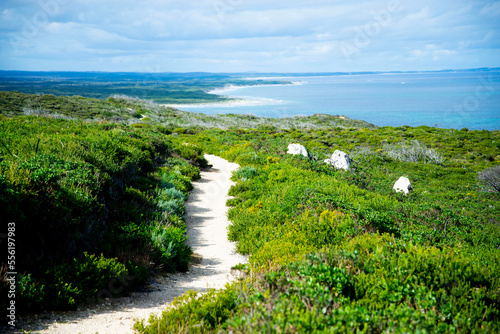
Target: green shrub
(172,207)
(180,182)
(375,284)
(164,130)
(171,252)
(188,170)
(173,194)
(85,279)
(180,130)
(414,152)
(438,272)
(30,294)
(138,274)
(90,187)
(331,227)
(135,195)
(192,153)
(233,201)
(167,180)
(244,173)
(139,125)
(193,313)
(180,166)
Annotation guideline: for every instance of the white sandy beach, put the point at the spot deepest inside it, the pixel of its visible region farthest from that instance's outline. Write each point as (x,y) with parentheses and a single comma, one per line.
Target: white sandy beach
(239,100)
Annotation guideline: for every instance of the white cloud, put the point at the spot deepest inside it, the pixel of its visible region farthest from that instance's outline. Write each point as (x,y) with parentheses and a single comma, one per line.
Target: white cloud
(432,52)
(243,35)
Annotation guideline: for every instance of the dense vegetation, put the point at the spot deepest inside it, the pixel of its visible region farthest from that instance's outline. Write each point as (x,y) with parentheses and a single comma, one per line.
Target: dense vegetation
(338,251)
(330,250)
(97,207)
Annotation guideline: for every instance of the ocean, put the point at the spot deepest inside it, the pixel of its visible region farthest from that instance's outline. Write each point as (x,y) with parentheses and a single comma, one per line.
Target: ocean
(462,99)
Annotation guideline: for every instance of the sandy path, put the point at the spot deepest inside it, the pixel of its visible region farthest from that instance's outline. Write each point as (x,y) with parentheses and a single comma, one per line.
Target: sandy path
(207,235)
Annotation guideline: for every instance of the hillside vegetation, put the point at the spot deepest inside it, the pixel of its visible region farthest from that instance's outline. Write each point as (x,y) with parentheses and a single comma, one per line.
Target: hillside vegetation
(330,250)
(97,207)
(336,251)
(129,110)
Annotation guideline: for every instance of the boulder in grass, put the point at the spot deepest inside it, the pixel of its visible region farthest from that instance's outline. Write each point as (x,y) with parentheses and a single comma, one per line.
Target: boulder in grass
(402,185)
(339,160)
(297,149)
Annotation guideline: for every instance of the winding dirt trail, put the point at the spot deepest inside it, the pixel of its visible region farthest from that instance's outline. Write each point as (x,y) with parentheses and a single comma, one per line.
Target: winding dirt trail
(207,235)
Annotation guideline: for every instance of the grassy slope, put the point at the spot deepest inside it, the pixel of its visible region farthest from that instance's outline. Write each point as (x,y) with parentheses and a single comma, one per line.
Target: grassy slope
(133,110)
(437,270)
(92,202)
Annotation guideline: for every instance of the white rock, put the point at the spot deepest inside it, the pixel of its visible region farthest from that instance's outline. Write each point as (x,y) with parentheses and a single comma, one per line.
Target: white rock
(339,160)
(297,149)
(402,185)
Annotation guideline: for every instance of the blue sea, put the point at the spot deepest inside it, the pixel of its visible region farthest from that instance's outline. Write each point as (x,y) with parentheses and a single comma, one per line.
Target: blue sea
(468,99)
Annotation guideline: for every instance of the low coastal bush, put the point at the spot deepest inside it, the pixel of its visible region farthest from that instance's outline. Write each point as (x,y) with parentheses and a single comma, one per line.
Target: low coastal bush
(371,283)
(172,194)
(414,152)
(330,250)
(93,204)
(194,154)
(244,173)
(30,293)
(193,313)
(170,250)
(375,283)
(491,178)
(340,251)
(171,179)
(86,278)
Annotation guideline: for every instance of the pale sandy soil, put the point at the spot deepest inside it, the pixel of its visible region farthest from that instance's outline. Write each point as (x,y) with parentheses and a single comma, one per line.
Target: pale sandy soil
(207,235)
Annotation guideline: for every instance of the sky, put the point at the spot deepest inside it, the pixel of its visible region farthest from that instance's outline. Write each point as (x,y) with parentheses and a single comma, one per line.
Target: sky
(248,35)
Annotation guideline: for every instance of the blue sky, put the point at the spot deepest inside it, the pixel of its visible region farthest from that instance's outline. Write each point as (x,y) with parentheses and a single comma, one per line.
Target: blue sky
(248,35)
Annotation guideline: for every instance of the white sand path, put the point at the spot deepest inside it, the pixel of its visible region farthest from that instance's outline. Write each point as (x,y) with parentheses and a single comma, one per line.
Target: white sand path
(207,235)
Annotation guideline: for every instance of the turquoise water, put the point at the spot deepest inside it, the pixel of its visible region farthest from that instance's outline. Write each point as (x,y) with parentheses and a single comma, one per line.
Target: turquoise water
(440,99)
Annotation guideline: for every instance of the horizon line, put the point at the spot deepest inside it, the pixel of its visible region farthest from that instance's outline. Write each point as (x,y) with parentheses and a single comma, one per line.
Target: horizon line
(257,72)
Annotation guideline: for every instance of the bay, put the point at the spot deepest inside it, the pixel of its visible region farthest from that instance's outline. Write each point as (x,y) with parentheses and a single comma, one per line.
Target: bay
(456,100)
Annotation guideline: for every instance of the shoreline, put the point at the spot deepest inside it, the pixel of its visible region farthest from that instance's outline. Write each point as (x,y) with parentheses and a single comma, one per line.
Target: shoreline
(231,87)
(387,99)
(237,101)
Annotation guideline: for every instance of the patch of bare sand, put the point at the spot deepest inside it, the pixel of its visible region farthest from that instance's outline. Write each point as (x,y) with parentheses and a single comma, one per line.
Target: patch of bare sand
(207,235)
